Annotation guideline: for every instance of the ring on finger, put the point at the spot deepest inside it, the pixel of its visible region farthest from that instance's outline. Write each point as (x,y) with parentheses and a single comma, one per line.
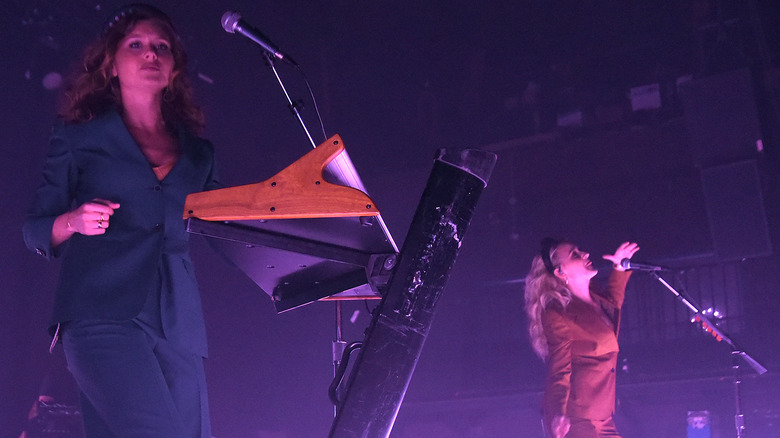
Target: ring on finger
(100,224)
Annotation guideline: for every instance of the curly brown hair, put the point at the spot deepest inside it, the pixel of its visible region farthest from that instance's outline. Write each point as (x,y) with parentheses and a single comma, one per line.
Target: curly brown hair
(93,90)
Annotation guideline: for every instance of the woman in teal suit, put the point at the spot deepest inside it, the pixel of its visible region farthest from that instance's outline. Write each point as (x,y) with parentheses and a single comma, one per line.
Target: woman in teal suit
(127,306)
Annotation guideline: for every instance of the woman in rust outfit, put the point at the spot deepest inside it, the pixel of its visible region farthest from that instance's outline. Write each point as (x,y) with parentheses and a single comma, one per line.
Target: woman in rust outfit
(573,326)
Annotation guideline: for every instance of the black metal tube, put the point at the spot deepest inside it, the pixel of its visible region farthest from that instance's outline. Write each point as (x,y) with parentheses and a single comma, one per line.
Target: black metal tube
(395,337)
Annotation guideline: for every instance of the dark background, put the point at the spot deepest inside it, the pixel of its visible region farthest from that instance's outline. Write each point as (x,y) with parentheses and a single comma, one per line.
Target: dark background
(398,80)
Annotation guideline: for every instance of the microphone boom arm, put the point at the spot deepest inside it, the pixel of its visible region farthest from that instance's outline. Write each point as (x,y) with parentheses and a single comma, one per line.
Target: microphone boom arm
(699,316)
(232,22)
(293,107)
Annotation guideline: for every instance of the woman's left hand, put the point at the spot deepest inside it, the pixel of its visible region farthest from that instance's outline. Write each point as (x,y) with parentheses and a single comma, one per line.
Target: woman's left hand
(626,250)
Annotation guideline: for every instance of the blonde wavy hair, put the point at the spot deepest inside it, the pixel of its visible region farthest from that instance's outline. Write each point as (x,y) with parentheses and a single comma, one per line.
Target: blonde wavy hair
(543,288)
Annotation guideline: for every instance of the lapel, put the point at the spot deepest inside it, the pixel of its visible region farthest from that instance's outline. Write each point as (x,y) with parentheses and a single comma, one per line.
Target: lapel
(186,164)
(126,142)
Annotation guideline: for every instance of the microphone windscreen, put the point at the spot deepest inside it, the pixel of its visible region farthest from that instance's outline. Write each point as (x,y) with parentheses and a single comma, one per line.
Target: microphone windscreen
(230,20)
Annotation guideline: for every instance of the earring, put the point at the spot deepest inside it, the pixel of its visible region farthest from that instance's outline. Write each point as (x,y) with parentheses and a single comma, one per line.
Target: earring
(563,276)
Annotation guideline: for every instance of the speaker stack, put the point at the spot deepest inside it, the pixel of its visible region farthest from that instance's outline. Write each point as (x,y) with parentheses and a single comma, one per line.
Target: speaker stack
(725,143)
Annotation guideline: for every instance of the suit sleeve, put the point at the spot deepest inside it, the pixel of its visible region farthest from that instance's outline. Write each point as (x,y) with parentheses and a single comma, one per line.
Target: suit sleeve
(52,198)
(559,364)
(615,291)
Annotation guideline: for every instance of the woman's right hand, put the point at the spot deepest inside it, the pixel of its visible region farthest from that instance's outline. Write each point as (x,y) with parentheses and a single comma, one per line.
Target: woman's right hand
(560,426)
(90,218)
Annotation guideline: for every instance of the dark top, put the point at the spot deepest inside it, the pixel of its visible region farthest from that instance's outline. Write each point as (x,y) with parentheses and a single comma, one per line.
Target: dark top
(110,276)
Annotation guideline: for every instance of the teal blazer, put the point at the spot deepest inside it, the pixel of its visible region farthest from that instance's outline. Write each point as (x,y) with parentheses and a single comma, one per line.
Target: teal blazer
(109,276)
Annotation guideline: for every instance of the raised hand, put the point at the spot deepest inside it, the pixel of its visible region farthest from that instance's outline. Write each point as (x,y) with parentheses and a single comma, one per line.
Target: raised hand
(626,250)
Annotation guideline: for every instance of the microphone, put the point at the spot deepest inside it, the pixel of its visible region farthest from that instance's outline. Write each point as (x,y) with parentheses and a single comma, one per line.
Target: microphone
(232,23)
(637,266)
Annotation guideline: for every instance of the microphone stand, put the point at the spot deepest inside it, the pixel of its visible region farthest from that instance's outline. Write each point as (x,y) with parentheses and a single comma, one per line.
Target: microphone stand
(342,166)
(338,345)
(293,107)
(736,352)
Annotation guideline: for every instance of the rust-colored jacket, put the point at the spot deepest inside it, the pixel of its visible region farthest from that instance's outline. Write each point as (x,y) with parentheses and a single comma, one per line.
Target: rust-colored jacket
(583,351)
